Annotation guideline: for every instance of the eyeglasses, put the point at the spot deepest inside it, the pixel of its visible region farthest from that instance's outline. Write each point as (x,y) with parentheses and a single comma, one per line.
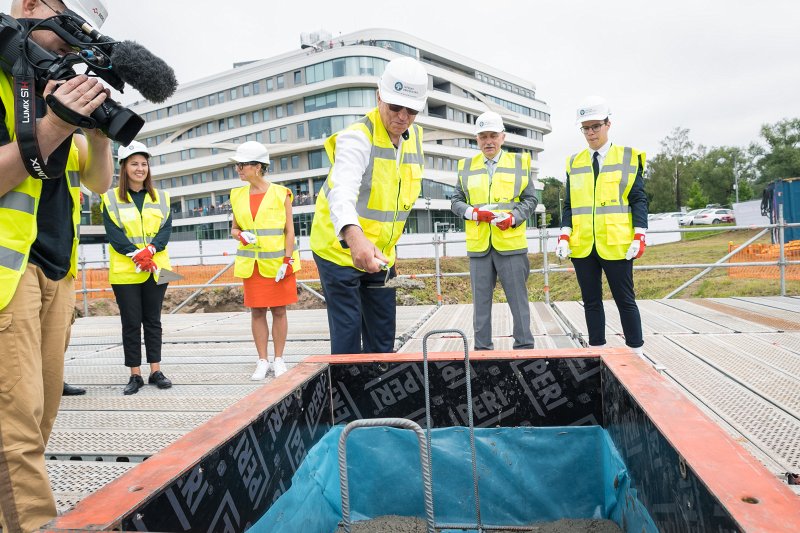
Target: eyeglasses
(240,166)
(594,127)
(394,108)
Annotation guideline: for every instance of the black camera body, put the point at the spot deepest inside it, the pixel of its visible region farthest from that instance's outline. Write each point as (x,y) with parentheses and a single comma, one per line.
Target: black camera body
(116,121)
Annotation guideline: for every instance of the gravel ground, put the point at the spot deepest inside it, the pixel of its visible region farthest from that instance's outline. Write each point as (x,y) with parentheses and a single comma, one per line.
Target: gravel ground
(405,524)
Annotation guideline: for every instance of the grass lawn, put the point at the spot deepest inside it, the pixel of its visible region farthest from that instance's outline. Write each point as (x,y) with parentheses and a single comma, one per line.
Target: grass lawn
(700,247)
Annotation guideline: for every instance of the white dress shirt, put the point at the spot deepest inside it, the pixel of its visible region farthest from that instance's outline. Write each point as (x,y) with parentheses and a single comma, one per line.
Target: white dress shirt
(350,161)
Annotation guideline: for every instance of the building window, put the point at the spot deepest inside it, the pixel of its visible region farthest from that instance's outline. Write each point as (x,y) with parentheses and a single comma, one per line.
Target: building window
(295,161)
(289,109)
(242,120)
(220,97)
(298,78)
(256,117)
(279,81)
(301,131)
(273,136)
(270,84)
(284,163)
(265,114)
(317,159)
(256,87)
(231,123)
(233,93)
(221,124)
(245,90)
(279,111)
(284,134)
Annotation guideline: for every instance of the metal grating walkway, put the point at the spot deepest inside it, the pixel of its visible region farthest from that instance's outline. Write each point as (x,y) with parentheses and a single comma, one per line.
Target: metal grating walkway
(744,372)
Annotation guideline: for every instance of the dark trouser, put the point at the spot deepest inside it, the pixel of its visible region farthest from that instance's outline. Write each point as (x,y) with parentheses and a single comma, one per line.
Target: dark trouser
(361,316)
(619,274)
(140,305)
(513,271)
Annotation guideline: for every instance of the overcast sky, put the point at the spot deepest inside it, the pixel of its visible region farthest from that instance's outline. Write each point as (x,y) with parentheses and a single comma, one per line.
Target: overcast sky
(719,68)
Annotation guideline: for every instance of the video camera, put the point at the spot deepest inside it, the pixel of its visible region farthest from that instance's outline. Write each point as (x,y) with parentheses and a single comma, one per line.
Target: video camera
(115,62)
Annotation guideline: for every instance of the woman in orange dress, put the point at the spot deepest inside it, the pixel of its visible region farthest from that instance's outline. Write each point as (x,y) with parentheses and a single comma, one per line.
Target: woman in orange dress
(266,259)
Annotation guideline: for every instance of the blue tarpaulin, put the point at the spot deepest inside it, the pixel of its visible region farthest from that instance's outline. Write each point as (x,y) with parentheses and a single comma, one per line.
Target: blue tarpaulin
(526,475)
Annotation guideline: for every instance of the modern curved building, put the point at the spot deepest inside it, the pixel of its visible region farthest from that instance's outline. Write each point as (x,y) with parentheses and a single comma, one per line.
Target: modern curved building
(292,102)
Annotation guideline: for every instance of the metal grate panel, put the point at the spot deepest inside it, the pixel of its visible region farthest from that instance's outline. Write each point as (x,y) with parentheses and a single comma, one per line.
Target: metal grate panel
(764,351)
(692,323)
(779,302)
(717,317)
(657,322)
(112,443)
(81,477)
(139,402)
(771,384)
(113,420)
(773,431)
(779,318)
(788,341)
(460,317)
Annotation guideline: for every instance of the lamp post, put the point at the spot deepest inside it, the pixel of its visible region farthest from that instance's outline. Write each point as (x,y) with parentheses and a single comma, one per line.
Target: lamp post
(428,209)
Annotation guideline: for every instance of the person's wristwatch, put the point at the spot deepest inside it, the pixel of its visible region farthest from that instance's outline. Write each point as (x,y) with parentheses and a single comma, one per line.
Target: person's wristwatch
(342,242)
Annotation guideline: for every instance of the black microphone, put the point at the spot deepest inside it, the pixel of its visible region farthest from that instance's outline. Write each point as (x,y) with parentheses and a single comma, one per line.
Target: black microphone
(143,71)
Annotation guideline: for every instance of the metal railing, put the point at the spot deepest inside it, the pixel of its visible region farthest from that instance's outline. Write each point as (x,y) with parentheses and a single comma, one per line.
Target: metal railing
(440,242)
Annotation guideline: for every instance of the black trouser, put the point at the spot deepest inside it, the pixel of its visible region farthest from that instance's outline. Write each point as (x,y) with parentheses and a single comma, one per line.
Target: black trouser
(140,305)
(619,274)
(359,309)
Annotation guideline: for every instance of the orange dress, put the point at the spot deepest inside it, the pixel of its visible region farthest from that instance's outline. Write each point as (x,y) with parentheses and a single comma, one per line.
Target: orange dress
(264,292)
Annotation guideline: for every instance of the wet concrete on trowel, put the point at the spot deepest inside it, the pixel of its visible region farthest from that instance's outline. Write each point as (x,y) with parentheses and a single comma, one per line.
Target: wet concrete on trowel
(406,524)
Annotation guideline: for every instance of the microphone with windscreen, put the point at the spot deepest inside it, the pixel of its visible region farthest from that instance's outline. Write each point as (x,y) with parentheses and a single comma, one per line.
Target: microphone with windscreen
(143,71)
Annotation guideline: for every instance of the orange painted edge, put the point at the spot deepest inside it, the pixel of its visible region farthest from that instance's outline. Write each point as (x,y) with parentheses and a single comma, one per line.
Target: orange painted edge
(560,353)
(723,465)
(106,508)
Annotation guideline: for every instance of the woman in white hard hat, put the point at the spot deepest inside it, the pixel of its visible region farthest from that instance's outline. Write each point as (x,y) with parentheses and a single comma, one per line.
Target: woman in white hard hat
(266,259)
(138,224)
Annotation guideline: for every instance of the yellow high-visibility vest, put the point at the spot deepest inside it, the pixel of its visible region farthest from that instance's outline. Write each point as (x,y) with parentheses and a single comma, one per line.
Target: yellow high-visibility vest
(601,215)
(501,192)
(18,208)
(140,229)
(269,226)
(387,193)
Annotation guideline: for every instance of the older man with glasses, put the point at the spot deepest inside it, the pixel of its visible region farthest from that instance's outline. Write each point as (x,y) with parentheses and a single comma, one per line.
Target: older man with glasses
(604,222)
(375,178)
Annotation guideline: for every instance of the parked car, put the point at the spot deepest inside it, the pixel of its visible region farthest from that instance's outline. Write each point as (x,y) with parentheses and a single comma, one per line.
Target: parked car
(712,216)
(688,218)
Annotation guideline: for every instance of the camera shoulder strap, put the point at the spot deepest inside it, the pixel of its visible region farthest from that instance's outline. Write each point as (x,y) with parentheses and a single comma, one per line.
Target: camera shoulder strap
(5,138)
(25,124)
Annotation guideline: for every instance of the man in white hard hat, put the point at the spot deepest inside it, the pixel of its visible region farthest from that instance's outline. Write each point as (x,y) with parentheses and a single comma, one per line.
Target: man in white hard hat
(604,222)
(38,250)
(375,178)
(496,195)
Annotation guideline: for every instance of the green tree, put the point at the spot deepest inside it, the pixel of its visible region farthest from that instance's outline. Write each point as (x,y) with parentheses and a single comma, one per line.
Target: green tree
(552,197)
(697,199)
(96,214)
(719,171)
(677,148)
(659,184)
(782,157)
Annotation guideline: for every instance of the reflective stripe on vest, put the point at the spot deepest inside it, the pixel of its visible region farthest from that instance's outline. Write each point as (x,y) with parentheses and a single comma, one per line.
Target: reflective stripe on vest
(502,192)
(390,184)
(140,228)
(601,215)
(269,226)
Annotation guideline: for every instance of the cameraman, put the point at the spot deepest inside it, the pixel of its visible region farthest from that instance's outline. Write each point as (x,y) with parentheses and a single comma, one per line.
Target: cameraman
(38,249)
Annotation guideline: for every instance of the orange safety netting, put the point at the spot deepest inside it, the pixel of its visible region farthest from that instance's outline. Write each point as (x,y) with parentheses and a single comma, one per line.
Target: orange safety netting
(759,253)
(97,278)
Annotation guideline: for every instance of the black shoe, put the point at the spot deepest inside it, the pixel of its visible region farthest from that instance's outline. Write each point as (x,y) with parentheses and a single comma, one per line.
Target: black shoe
(69,390)
(134,384)
(159,379)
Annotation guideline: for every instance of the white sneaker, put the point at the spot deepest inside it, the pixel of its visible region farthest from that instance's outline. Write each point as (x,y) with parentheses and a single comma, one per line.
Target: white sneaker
(639,351)
(261,370)
(280,366)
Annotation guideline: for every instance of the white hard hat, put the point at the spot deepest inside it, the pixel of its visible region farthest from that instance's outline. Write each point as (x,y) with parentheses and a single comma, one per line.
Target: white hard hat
(92,11)
(135,147)
(404,82)
(251,151)
(489,121)
(592,108)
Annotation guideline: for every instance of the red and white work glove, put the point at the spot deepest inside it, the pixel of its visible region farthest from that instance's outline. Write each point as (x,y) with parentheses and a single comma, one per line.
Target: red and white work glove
(143,258)
(288,262)
(562,249)
(503,221)
(637,245)
(247,237)
(479,215)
